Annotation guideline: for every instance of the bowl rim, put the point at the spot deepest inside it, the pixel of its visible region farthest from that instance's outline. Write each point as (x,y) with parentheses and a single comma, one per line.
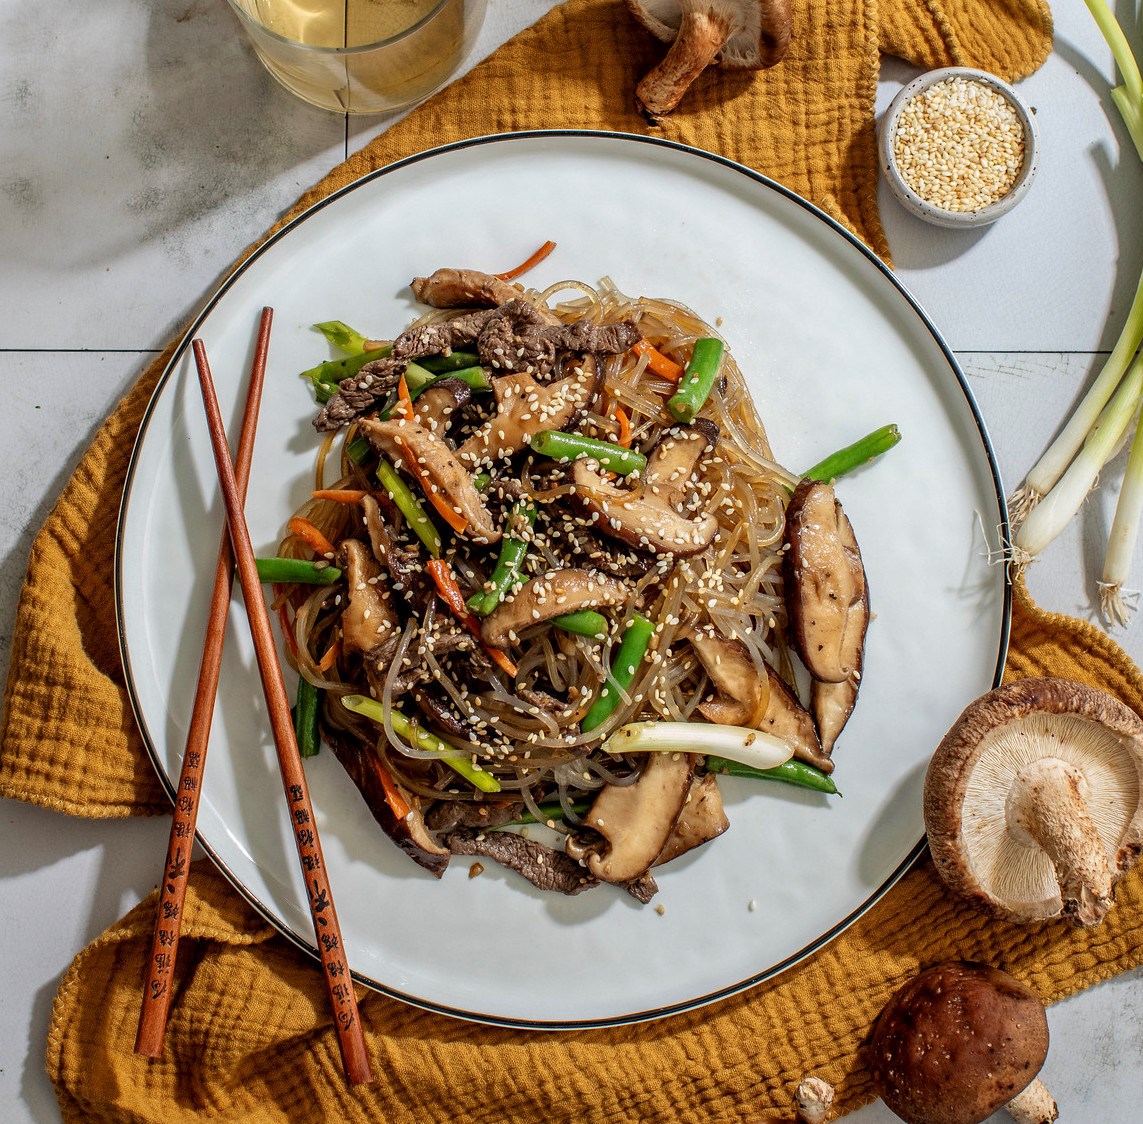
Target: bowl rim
(922,207)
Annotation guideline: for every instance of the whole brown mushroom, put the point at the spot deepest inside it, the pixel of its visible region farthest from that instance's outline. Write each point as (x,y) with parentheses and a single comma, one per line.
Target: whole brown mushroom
(957,1043)
(1034,800)
(737,34)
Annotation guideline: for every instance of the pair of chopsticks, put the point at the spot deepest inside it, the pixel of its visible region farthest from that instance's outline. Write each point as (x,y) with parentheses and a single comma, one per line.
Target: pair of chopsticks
(237,553)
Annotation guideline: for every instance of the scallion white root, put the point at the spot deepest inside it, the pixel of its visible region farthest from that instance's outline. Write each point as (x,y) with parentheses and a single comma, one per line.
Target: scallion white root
(1055,510)
(736,743)
(1122,538)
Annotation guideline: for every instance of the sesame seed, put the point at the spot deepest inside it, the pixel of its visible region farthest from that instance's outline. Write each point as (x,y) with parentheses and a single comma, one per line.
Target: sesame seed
(959,144)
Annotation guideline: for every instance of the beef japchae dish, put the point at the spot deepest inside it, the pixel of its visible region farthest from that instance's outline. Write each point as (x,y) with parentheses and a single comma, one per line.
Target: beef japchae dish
(551,574)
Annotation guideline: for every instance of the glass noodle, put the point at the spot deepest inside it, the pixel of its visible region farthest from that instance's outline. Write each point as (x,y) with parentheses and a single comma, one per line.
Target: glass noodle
(527,732)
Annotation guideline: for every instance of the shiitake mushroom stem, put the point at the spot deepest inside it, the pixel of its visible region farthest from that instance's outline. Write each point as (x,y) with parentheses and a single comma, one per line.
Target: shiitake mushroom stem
(1047,807)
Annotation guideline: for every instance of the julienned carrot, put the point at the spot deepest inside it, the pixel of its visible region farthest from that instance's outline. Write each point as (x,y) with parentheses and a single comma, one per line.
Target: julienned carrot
(624,421)
(444,509)
(305,530)
(531,263)
(288,630)
(441,573)
(404,399)
(340,495)
(658,362)
(393,797)
(330,658)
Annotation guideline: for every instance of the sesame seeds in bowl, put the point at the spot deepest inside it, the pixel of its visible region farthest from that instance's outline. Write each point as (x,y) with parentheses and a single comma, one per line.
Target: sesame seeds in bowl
(958,147)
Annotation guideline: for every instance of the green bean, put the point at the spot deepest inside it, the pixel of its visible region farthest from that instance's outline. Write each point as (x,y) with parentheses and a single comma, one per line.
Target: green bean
(307,709)
(410,507)
(561,446)
(286,571)
(417,736)
(454,361)
(333,371)
(854,456)
(791,772)
(584,622)
(513,551)
(632,649)
(697,381)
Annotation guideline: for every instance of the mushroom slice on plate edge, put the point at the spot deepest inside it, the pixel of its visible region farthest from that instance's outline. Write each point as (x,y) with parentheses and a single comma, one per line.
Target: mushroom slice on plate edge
(1034,800)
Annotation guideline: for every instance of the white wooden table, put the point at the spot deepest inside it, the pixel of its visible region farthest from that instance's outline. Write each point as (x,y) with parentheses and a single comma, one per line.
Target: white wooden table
(143,146)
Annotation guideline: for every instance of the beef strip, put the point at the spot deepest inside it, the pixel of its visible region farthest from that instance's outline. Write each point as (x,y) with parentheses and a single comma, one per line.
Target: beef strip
(543,867)
(443,337)
(518,337)
(597,339)
(462,288)
(370,387)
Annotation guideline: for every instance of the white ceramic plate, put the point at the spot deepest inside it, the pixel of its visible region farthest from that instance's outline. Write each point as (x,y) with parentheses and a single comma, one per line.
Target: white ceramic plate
(833,347)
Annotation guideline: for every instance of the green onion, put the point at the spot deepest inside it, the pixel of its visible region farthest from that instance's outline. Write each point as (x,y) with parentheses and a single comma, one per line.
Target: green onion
(307,710)
(794,772)
(421,738)
(333,371)
(854,456)
(342,336)
(1055,510)
(632,649)
(584,622)
(1065,474)
(284,571)
(697,381)
(418,378)
(737,743)
(561,446)
(421,378)
(1122,537)
(481,480)
(358,450)
(553,812)
(410,507)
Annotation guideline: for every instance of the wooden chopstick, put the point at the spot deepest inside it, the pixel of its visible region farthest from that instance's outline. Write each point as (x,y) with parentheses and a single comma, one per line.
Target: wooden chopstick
(173,885)
(327,932)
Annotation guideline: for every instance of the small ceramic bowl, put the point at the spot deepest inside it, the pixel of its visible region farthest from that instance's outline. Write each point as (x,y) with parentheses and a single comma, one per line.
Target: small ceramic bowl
(934,210)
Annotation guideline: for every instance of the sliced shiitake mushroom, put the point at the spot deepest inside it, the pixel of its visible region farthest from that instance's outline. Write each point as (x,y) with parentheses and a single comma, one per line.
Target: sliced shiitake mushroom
(401,439)
(650,516)
(635,820)
(702,819)
(742,694)
(524,407)
(547,596)
(827,597)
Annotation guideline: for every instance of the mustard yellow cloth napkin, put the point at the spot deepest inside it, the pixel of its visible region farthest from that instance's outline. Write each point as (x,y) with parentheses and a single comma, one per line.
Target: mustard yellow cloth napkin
(249,1037)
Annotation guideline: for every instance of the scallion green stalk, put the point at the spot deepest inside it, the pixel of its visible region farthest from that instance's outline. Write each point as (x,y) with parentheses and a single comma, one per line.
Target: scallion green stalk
(423,739)
(1123,536)
(410,507)
(1073,441)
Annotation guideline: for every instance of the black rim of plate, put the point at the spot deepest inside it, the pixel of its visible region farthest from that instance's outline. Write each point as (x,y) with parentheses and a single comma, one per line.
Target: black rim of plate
(763,181)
